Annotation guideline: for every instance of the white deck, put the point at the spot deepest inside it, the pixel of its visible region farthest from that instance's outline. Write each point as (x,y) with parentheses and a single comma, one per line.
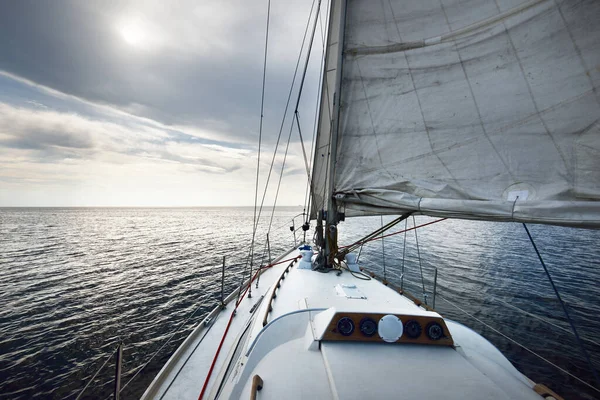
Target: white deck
(295,365)
(184,374)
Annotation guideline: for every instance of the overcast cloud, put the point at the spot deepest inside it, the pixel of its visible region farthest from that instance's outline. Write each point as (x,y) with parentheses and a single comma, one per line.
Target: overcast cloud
(145,102)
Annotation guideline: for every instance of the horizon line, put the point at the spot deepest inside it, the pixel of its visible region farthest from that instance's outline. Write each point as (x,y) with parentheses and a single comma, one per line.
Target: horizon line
(223,206)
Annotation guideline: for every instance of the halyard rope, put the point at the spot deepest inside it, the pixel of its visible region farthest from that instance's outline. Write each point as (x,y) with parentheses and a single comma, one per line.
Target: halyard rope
(360,242)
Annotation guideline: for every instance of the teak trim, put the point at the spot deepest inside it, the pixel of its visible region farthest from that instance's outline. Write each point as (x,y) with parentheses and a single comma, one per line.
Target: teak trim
(331,333)
(257,384)
(545,391)
(274,293)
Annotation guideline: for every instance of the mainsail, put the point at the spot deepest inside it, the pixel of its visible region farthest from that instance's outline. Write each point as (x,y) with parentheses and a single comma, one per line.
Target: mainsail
(476,109)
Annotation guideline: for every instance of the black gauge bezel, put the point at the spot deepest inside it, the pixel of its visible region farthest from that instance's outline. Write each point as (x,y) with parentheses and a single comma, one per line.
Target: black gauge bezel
(407,330)
(364,321)
(431,325)
(344,319)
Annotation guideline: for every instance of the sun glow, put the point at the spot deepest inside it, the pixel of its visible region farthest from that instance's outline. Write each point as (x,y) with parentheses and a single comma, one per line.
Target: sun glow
(133,33)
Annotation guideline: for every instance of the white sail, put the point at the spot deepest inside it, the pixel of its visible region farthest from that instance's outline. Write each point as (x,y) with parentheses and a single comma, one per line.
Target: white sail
(477,109)
(327,107)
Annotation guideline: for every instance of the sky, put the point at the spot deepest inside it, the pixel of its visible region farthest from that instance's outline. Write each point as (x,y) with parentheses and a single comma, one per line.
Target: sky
(150,103)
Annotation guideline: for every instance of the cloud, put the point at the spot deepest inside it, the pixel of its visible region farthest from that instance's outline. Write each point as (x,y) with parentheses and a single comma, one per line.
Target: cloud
(197,67)
(145,102)
(37,130)
(49,136)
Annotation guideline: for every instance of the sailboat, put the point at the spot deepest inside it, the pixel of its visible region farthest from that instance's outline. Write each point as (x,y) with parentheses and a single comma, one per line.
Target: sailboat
(478,109)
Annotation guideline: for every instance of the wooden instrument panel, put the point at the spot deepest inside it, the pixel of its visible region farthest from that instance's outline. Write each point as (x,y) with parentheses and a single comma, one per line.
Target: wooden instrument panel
(332,334)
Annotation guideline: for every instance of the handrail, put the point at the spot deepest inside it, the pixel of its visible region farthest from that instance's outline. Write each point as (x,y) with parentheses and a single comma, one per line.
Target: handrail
(273,293)
(257,384)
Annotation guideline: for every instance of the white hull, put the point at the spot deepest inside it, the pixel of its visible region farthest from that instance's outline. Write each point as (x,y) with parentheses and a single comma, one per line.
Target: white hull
(297,355)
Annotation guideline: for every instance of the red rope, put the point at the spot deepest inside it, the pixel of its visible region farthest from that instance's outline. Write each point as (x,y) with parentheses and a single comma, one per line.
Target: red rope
(395,233)
(214,361)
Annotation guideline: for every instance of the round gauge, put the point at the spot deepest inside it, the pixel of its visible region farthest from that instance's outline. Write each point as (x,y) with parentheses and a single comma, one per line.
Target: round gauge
(368,327)
(345,326)
(434,331)
(412,329)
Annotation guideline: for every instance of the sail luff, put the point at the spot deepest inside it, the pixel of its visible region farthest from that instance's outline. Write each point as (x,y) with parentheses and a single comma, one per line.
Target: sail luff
(320,173)
(496,117)
(331,207)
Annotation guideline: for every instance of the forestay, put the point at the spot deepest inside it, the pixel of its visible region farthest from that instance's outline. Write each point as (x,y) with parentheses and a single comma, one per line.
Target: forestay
(477,109)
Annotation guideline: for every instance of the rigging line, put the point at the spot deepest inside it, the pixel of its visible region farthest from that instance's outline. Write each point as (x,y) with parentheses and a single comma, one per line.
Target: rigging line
(310,45)
(287,146)
(420,264)
(233,313)
(309,193)
(403,253)
(296,113)
(520,345)
(255,227)
(321,30)
(383,251)
(309,187)
(309,51)
(542,319)
(564,307)
(262,108)
(302,143)
(262,259)
(97,372)
(363,241)
(325,88)
(177,328)
(285,112)
(373,235)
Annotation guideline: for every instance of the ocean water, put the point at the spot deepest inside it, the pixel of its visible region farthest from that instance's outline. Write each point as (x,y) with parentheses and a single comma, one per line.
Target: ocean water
(76,281)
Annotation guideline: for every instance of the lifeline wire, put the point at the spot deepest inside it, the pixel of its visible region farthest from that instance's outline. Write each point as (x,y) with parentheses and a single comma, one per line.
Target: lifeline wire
(564,307)
(177,328)
(96,374)
(519,344)
(539,318)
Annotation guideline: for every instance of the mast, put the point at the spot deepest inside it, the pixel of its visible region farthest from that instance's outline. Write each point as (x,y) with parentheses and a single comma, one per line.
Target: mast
(338,11)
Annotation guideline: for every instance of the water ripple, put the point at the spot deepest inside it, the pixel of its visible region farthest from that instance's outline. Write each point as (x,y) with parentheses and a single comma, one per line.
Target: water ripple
(76,281)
